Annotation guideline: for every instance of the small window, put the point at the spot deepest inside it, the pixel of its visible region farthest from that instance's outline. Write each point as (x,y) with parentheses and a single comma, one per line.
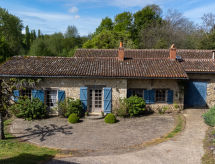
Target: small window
(51,98)
(160,95)
(137,92)
(26,93)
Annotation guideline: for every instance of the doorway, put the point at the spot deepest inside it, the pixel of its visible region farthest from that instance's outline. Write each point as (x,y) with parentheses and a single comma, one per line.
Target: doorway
(96,99)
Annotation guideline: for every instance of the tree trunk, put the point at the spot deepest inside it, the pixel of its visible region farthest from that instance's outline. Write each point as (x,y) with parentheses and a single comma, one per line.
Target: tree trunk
(1,127)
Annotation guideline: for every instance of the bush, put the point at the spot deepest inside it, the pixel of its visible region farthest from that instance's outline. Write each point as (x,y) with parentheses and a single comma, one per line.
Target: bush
(121,108)
(73,118)
(136,105)
(209,117)
(29,109)
(70,106)
(110,118)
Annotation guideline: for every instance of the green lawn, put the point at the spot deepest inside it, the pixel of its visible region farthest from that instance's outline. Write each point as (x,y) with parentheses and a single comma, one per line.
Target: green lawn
(14,152)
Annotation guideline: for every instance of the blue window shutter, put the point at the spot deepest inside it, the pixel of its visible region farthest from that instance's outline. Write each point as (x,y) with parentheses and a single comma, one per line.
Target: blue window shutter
(149,96)
(38,94)
(61,96)
(170,97)
(107,100)
(152,96)
(129,93)
(16,95)
(146,96)
(83,97)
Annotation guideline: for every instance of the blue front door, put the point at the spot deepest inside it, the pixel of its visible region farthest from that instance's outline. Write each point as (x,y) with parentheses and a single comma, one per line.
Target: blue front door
(195,94)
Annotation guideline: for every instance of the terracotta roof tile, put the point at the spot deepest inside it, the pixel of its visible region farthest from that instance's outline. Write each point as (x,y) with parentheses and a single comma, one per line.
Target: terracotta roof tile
(144,53)
(92,67)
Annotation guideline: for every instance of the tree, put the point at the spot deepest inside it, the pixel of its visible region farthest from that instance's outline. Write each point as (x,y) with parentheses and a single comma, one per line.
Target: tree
(123,22)
(71,32)
(7,86)
(144,18)
(39,34)
(10,32)
(104,40)
(208,22)
(27,38)
(106,24)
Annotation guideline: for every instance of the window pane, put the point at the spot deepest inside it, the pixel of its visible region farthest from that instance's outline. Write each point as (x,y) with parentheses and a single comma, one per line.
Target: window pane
(160,95)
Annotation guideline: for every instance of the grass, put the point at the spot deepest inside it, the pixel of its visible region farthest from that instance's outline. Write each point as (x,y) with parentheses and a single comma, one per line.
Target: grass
(13,151)
(178,127)
(209,142)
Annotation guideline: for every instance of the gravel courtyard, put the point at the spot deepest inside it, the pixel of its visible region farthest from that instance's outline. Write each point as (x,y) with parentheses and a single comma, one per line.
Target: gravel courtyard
(93,137)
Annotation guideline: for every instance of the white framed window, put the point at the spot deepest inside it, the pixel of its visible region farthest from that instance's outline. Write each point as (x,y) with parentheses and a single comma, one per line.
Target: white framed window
(51,98)
(160,95)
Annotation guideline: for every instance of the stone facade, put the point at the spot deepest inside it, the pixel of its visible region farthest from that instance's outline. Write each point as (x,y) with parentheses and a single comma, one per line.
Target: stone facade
(178,98)
(71,86)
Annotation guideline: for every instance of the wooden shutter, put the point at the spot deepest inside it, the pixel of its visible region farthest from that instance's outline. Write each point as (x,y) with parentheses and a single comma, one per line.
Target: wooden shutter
(170,97)
(107,100)
(83,97)
(149,96)
(16,95)
(38,94)
(61,96)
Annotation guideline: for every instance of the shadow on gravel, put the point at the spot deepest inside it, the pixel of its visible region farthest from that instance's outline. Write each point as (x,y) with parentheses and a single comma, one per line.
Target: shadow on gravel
(45,131)
(55,161)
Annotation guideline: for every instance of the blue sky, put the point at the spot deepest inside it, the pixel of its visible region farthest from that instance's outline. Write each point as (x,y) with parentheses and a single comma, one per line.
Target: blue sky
(55,15)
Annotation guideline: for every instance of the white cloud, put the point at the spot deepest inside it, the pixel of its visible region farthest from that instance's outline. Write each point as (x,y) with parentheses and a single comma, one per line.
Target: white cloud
(196,13)
(73,9)
(50,23)
(77,16)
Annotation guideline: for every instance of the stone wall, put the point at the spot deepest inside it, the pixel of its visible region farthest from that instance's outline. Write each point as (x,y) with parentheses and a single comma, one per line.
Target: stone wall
(210,78)
(178,99)
(119,89)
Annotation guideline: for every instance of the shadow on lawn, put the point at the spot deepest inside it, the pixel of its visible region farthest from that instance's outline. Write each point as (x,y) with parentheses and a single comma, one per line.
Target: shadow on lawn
(45,131)
(32,159)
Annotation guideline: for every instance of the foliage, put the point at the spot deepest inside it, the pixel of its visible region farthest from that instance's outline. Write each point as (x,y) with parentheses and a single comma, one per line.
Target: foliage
(29,109)
(163,109)
(178,127)
(136,105)
(209,117)
(110,118)
(106,24)
(122,108)
(10,34)
(70,106)
(13,151)
(71,32)
(73,118)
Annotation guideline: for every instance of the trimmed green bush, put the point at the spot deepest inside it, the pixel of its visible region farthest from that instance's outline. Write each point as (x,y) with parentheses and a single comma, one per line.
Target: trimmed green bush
(110,118)
(29,109)
(136,105)
(70,106)
(73,118)
(209,117)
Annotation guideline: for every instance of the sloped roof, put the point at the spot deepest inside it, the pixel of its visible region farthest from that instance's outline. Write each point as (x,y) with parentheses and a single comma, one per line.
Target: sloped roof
(199,65)
(144,53)
(92,67)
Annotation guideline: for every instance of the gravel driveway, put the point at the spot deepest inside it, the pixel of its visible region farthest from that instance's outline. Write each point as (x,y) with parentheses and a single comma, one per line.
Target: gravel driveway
(93,137)
(186,148)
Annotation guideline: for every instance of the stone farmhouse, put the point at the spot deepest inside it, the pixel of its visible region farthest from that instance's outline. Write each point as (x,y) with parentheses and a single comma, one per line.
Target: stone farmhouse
(171,78)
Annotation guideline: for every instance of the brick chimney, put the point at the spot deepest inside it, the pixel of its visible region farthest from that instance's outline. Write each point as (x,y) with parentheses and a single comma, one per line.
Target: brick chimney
(172,52)
(121,52)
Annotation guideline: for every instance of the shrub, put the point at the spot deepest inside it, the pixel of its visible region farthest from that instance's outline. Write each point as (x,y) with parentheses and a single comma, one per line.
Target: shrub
(70,106)
(163,109)
(73,118)
(136,105)
(110,118)
(209,117)
(29,109)
(121,108)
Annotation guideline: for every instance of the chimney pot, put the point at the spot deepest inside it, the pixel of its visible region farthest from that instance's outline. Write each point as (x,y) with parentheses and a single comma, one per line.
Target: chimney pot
(172,52)
(213,56)
(121,52)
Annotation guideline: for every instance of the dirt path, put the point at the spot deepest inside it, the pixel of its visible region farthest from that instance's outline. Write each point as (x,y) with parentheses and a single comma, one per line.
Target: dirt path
(187,148)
